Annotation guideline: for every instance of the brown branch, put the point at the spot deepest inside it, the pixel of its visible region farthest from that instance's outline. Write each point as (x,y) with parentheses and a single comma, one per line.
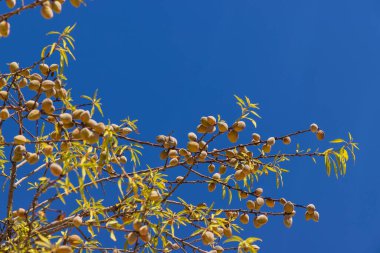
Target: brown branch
(10,197)
(17,11)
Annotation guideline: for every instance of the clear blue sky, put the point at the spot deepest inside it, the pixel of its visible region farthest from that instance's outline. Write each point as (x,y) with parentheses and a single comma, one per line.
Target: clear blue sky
(167,63)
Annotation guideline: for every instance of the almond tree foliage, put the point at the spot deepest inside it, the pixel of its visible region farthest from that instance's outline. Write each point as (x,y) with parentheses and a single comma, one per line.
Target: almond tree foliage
(54,150)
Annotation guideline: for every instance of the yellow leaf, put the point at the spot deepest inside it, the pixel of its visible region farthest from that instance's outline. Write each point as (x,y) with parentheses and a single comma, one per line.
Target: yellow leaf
(234,238)
(112,236)
(252,239)
(337,141)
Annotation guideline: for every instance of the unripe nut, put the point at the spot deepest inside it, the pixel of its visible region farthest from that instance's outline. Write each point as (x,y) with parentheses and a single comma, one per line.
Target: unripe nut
(222,127)
(77,221)
(55,169)
(34,115)
(286,140)
(320,135)
(244,218)
(233,136)
(193,146)
(289,207)
(47,12)
(64,249)
(313,128)
(262,219)
(310,208)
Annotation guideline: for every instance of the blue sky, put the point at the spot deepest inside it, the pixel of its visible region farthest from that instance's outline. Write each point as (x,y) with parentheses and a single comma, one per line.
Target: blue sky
(167,63)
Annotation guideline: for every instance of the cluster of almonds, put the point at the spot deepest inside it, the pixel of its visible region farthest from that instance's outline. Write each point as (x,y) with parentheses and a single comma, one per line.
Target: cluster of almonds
(89,134)
(288,209)
(35,82)
(209,125)
(242,168)
(318,132)
(74,239)
(19,151)
(32,158)
(167,141)
(140,231)
(311,213)
(208,236)
(48,7)
(83,126)
(19,213)
(267,146)
(171,152)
